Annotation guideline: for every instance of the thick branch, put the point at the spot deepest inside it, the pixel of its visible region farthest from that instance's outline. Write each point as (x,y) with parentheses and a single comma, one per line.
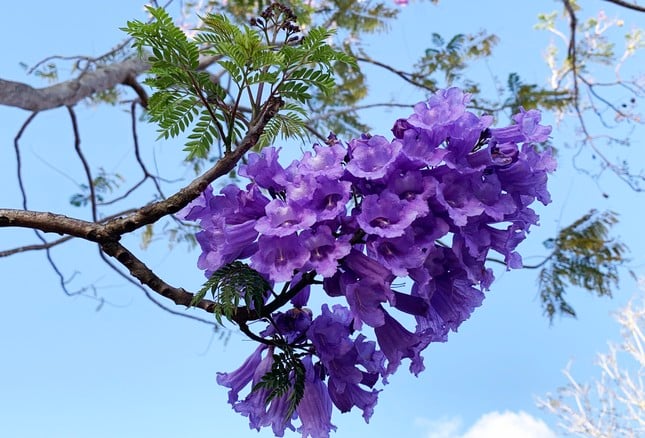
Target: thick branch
(153,212)
(141,272)
(108,234)
(68,93)
(50,223)
(47,245)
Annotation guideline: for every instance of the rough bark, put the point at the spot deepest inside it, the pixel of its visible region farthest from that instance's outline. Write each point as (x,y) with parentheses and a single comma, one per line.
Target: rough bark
(69,93)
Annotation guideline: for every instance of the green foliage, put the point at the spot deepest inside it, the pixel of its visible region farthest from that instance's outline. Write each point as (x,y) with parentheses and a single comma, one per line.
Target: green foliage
(232,284)
(531,96)
(584,256)
(104,183)
(451,57)
(360,17)
(268,58)
(183,92)
(336,111)
(289,123)
(287,375)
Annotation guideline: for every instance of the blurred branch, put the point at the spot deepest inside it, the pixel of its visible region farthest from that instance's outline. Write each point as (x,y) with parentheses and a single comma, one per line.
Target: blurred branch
(408,77)
(611,405)
(137,155)
(36,247)
(627,5)
(576,67)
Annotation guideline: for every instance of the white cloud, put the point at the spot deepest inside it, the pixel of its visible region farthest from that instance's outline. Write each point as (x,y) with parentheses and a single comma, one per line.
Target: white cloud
(443,428)
(509,424)
(491,425)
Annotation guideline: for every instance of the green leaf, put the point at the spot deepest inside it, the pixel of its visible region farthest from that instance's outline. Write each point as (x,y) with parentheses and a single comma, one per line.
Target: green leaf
(585,256)
(287,376)
(231,285)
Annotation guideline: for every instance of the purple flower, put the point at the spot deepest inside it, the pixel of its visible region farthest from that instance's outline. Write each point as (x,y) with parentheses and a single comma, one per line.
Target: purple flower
(329,198)
(370,358)
(454,300)
(254,406)
(480,237)
(398,254)
(364,298)
(398,343)
(449,289)
(279,257)
(315,407)
(300,188)
(360,266)
(386,215)
(227,222)
(241,377)
(371,156)
(427,229)
(410,304)
(413,186)
(446,175)
(463,135)
(442,109)
(340,356)
(327,161)
(329,332)
(335,285)
(400,127)
(353,395)
(525,129)
(290,325)
(222,244)
(527,176)
(302,297)
(325,250)
(422,146)
(265,170)
(283,219)
(199,209)
(457,197)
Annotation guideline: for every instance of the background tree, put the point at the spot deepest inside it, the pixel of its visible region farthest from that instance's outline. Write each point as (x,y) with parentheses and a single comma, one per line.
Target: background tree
(582,254)
(612,405)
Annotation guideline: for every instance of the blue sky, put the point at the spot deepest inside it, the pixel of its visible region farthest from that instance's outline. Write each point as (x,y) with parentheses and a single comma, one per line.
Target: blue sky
(131,370)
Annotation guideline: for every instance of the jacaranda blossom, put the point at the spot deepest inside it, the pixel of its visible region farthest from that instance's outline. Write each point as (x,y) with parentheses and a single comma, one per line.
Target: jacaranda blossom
(397,231)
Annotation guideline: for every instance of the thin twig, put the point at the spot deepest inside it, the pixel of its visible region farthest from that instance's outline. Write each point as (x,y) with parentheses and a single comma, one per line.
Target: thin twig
(627,5)
(86,166)
(408,77)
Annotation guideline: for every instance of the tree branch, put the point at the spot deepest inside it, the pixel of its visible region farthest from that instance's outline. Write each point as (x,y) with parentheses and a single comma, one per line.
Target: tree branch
(47,245)
(408,77)
(153,212)
(107,235)
(141,272)
(34,247)
(627,5)
(50,223)
(69,93)
(149,295)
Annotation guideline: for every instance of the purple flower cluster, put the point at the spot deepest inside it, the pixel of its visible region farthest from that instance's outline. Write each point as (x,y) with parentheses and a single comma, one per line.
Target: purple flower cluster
(426,206)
